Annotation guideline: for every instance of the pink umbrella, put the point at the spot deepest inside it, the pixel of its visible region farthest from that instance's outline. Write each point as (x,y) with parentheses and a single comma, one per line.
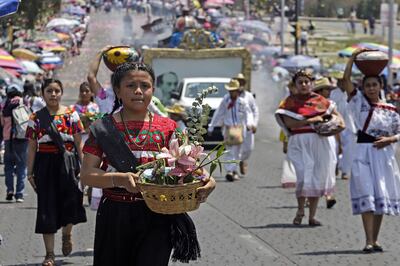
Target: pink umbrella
(8,61)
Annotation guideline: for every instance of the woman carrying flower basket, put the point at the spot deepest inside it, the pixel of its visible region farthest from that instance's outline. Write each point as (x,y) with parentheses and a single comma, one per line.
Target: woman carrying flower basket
(127,231)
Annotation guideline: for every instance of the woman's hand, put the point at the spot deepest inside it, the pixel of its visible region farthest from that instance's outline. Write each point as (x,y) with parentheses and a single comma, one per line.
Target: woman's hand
(204,191)
(384,141)
(128,181)
(315,119)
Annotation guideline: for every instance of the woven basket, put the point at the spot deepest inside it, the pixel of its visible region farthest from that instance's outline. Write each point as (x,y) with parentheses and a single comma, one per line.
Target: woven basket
(170,199)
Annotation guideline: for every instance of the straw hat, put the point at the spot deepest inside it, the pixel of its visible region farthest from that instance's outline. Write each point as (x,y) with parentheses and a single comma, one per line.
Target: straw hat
(232,85)
(322,83)
(240,76)
(175,109)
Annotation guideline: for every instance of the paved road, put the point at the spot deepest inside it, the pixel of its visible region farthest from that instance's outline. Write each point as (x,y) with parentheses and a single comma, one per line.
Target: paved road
(244,223)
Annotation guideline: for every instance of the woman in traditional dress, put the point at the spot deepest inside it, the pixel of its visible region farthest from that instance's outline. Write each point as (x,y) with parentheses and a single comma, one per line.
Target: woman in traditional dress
(59,198)
(127,231)
(310,153)
(375,176)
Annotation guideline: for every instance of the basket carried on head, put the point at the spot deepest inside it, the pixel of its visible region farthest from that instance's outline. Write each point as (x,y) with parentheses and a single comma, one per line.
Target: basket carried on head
(170,199)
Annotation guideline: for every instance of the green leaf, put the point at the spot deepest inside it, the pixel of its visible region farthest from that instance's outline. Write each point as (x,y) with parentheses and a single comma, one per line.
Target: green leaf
(220,150)
(213,167)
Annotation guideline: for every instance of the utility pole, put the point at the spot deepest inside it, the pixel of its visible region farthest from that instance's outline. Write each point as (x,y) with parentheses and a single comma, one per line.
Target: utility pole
(296,19)
(390,42)
(282,26)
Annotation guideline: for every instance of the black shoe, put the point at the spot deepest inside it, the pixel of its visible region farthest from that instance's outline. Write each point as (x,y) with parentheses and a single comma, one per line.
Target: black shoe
(10,196)
(229,177)
(368,249)
(377,248)
(330,203)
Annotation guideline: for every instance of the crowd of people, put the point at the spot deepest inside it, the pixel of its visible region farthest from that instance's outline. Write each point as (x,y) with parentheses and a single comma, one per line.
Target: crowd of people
(331,125)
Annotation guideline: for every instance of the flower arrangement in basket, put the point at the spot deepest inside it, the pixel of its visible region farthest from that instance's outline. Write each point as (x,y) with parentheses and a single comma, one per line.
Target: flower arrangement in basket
(169,183)
(88,117)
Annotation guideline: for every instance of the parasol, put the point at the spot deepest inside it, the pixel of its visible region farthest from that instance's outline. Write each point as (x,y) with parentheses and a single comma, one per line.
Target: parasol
(25,54)
(8,7)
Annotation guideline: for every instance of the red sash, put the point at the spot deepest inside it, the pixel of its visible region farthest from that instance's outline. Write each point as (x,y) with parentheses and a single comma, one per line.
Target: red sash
(314,105)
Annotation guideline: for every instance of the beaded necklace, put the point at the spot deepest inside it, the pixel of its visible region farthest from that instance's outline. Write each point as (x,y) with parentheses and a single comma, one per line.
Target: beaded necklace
(130,138)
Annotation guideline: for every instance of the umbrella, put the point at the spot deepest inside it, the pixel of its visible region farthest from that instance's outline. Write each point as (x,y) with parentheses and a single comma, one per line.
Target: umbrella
(51,60)
(301,61)
(31,67)
(219,2)
(255,25)
(75,10)
(8,7)
(48,66)
(8,61)
(25,54)
(56,22)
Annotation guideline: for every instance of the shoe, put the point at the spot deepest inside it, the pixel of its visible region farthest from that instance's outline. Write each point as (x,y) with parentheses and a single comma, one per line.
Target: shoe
(243,167)
(49,260)
(19,200)
(298,218)
(9,196)
(330,203)
(368,249)
(314,222)
(236,177)
(229,177)
(345,177)
(377,247)
(66,245)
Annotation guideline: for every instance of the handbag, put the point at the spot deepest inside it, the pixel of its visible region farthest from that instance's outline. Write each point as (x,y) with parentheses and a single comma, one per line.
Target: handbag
(233,135)
(71,166)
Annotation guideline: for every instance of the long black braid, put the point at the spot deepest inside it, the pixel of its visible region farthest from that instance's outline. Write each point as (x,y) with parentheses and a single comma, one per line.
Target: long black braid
(120,73)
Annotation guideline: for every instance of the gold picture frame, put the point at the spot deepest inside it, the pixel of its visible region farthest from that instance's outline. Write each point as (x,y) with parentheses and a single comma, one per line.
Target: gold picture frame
(175,53)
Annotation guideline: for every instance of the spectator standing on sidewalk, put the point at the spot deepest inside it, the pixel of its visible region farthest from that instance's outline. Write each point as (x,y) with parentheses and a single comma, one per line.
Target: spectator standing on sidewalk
(248,142)
(59,200)
(352,20)
(15,149)
(371,22)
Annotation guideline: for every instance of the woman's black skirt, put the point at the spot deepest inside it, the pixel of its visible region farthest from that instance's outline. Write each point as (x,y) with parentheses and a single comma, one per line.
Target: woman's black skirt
(60,202)
(128,233)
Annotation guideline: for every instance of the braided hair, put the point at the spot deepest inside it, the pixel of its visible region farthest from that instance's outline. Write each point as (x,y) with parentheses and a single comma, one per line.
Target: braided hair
(120,73)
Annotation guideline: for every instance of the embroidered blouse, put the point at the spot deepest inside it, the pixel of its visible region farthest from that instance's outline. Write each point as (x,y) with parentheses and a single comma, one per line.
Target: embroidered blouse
(83,109)
(143,140)
(384,122)
(68,124)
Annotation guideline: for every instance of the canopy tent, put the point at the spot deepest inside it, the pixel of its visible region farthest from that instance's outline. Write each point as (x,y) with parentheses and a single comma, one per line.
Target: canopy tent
(8,7)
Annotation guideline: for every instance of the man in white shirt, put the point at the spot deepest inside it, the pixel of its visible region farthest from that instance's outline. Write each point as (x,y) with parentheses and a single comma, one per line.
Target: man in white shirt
(248,143)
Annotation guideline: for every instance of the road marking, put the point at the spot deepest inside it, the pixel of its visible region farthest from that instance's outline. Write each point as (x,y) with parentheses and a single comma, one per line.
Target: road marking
(257,245)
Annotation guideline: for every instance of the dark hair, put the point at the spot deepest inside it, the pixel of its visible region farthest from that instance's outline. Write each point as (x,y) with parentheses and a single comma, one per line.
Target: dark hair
(302,73)
(47,82)
(120,73)
(376,77)
(160,78)
(84,84)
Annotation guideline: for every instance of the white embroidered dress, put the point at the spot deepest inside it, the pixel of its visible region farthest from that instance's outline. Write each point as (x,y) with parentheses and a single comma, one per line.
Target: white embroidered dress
(313,157)
(375,176)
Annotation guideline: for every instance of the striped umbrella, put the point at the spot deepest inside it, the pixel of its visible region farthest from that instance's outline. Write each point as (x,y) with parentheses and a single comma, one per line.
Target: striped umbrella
(8,61)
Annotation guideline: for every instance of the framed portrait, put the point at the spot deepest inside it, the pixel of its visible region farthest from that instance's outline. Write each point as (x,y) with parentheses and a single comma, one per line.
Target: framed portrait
(171,65)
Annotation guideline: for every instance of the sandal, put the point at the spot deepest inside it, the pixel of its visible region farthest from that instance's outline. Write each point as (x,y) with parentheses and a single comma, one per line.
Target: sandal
(49,260)
(368,249)
(298,218)
(314,222)
(66,245)
(376,247)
